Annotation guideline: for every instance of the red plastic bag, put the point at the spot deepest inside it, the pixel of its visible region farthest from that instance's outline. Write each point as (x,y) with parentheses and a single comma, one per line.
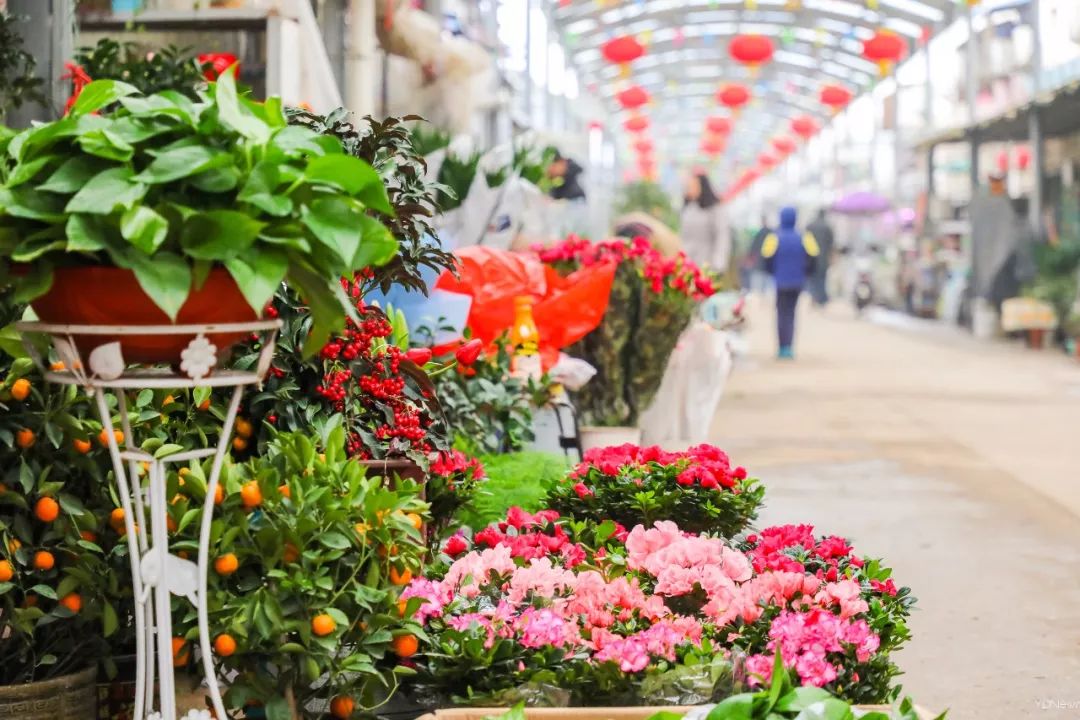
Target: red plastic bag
(565,309)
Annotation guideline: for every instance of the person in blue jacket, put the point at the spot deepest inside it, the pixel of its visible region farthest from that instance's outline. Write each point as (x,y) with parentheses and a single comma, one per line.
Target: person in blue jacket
(790,257)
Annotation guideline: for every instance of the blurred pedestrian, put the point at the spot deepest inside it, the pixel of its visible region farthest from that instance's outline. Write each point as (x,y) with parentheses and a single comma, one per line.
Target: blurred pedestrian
(760,279)
(704,227)
(566,176)
(572,214)
(790,256)
(823,233)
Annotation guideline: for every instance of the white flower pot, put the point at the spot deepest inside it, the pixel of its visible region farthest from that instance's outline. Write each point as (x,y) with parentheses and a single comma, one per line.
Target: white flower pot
(598,437)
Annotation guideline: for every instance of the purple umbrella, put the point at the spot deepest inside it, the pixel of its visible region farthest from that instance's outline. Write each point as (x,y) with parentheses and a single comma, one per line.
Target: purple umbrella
(861,203)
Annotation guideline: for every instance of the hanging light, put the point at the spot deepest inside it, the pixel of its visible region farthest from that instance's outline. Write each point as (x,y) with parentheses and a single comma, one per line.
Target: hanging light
(644,146)
(836,97)
(783,144)
(804,126)
(636,124)
(767,161)
(751,50)
(733,96)
(885,48)
(622,51)
(718,125)
(632,97)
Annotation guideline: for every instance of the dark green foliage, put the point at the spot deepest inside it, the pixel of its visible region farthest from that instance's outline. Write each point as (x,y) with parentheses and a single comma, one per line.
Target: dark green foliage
(391,148)
(170,68)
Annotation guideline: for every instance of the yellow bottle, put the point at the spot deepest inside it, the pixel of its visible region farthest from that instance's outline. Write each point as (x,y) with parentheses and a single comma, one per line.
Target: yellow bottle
(525,340)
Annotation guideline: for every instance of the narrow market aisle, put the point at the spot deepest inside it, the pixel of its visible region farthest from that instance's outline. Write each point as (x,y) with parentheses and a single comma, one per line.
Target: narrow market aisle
(956,461)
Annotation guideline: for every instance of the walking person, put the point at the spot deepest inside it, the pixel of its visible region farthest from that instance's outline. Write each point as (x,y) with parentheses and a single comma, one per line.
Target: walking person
(704,227)
(790,256)
(760,280)
(823,233)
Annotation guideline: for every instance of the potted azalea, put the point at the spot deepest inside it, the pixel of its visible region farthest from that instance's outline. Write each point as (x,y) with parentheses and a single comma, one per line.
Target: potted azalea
(148,210)
(652,300)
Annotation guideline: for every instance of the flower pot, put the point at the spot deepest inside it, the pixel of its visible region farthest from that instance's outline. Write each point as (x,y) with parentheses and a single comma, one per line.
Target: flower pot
(112,296)
(69,697)
(599,436)
(394,469)
(1036,338)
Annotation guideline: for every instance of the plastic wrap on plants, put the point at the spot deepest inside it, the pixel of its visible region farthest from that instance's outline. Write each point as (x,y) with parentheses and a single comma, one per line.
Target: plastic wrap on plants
(566,309)
(710,681)
(572,372)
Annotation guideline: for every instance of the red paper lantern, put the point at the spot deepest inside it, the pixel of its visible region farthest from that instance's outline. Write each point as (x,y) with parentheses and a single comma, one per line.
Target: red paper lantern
(632,97)
(835,96)
(733,96)
(1002,161)
(622,51)
(752,50)
(804,126)
(885,48)
(718,125)
(644,146)
(1023,157)
(783,144)
(767,161)
(636,124)
(712,148)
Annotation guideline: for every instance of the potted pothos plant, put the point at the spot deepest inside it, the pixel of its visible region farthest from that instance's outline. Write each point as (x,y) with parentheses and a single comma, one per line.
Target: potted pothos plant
(168,210)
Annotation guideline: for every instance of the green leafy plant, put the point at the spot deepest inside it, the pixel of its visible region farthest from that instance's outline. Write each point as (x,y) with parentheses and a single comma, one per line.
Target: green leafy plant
(649,198)
(309,592)
(18,83)
(782,700)
(456,175)
(389,147)
(488,409)
(169,68)
(427,139)
(170,189)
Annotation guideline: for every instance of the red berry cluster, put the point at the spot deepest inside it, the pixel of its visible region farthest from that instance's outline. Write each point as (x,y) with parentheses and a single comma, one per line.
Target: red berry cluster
(365,382)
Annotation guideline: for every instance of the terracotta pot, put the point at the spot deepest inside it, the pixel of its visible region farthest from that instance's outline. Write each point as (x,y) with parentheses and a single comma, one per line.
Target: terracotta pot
(70,697)
(393,469)
(112,296)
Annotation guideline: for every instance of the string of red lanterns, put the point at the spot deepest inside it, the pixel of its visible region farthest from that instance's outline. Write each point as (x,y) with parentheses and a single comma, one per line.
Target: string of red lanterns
(804,126)
(733,96)
(836,97)
(636,124)
(632,97)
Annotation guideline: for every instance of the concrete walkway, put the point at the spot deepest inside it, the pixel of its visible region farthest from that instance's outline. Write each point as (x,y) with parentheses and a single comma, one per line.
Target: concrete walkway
(959,463)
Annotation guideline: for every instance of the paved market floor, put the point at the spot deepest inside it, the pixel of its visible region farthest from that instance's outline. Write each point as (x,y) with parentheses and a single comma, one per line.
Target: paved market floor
(956,460)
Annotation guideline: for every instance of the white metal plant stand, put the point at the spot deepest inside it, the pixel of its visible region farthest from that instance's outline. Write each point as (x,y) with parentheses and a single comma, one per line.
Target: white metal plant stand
(155,572)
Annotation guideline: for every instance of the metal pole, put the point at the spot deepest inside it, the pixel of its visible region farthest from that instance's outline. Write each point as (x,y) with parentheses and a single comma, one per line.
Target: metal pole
(1035,131)
(972,92)
(528,62)
(360,75)
(48,35)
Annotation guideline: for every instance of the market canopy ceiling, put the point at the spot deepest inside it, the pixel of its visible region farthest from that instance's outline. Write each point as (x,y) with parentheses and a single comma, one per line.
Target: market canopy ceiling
(788,54)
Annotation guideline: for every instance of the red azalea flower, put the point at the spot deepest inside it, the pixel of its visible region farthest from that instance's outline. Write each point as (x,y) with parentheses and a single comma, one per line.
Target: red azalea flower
(582,490)
(218,62)
(456,546)
(739,473)
(886,588)
(489,536)
(831,574)
(856,561)
(685,478)
(469,353)
(419,356)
